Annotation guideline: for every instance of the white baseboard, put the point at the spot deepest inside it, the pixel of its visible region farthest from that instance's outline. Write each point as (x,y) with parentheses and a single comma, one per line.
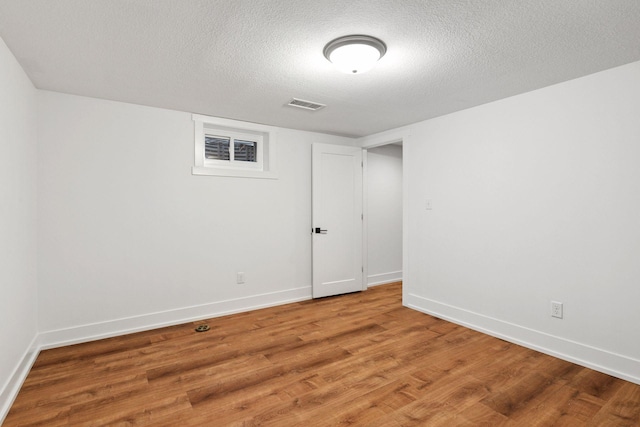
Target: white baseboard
(10,390)
(384,278)
(617,365)
(96,331)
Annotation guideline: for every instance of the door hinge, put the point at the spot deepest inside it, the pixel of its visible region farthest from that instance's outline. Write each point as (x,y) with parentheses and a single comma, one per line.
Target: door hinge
(362,217)
(362,268)
(362,164)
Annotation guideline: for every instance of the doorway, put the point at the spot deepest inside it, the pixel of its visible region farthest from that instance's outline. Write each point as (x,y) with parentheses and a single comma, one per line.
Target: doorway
(384,214)
(352,251)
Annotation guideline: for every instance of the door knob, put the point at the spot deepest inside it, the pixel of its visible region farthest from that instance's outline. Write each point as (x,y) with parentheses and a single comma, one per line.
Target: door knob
(320,231)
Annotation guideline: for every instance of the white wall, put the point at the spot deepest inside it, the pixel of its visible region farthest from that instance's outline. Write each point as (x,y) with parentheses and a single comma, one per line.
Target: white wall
(18,278)
(130,239)
(535,198)
(384,214)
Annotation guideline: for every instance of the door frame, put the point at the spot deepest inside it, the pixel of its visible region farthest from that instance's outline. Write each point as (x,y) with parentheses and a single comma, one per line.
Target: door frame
(378,140)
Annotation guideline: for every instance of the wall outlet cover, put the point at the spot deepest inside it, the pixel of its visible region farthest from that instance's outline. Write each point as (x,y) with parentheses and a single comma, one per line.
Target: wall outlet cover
(556,309)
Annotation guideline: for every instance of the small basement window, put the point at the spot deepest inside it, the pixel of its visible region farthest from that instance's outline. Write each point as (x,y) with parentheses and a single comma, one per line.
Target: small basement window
(232,148)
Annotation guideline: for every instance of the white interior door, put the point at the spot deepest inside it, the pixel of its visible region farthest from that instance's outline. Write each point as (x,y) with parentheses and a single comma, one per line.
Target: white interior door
(337,219)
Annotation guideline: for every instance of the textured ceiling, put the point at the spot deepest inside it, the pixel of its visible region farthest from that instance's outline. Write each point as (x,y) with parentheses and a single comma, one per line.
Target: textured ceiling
(246,59)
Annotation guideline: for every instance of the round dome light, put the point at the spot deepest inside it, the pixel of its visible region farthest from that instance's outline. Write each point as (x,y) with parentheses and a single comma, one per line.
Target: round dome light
(355,54)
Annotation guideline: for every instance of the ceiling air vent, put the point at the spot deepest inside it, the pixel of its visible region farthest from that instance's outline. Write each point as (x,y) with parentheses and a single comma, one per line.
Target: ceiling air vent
(307,105)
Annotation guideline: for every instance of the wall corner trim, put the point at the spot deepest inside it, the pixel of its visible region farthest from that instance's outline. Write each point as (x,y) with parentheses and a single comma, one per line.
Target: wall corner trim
(610,363)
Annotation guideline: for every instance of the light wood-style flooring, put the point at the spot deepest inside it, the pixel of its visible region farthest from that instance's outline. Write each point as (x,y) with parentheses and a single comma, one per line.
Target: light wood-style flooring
(357,359)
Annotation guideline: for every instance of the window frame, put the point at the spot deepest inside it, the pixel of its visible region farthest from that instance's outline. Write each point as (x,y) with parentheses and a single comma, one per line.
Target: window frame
(264,136)
(234,136)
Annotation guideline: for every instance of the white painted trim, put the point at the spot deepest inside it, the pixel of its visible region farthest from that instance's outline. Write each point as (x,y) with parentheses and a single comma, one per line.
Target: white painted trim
(598,359)
(10,390)
(406,276)
(384,138)
(101,330)
(234,173)
(365,220)
(267,152)
(384,278)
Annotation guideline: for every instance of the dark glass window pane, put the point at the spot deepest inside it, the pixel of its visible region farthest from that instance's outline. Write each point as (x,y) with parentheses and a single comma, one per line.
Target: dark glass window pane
(216,148)
(245,151)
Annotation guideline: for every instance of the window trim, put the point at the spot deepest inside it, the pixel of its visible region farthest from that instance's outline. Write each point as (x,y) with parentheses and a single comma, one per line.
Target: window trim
(267,148)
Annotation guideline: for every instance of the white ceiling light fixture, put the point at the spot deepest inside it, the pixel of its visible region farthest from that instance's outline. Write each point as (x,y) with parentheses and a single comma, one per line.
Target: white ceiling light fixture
(355,54)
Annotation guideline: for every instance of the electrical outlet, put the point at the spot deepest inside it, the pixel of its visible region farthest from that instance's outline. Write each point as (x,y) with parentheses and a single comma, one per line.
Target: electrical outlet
(240,277)
(556,309)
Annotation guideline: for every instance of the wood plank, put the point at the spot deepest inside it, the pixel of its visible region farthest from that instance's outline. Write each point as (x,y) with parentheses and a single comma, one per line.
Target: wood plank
(622,409)
(357,359)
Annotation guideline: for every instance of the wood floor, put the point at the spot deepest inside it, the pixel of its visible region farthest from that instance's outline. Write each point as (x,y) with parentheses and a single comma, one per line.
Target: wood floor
(358,359)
